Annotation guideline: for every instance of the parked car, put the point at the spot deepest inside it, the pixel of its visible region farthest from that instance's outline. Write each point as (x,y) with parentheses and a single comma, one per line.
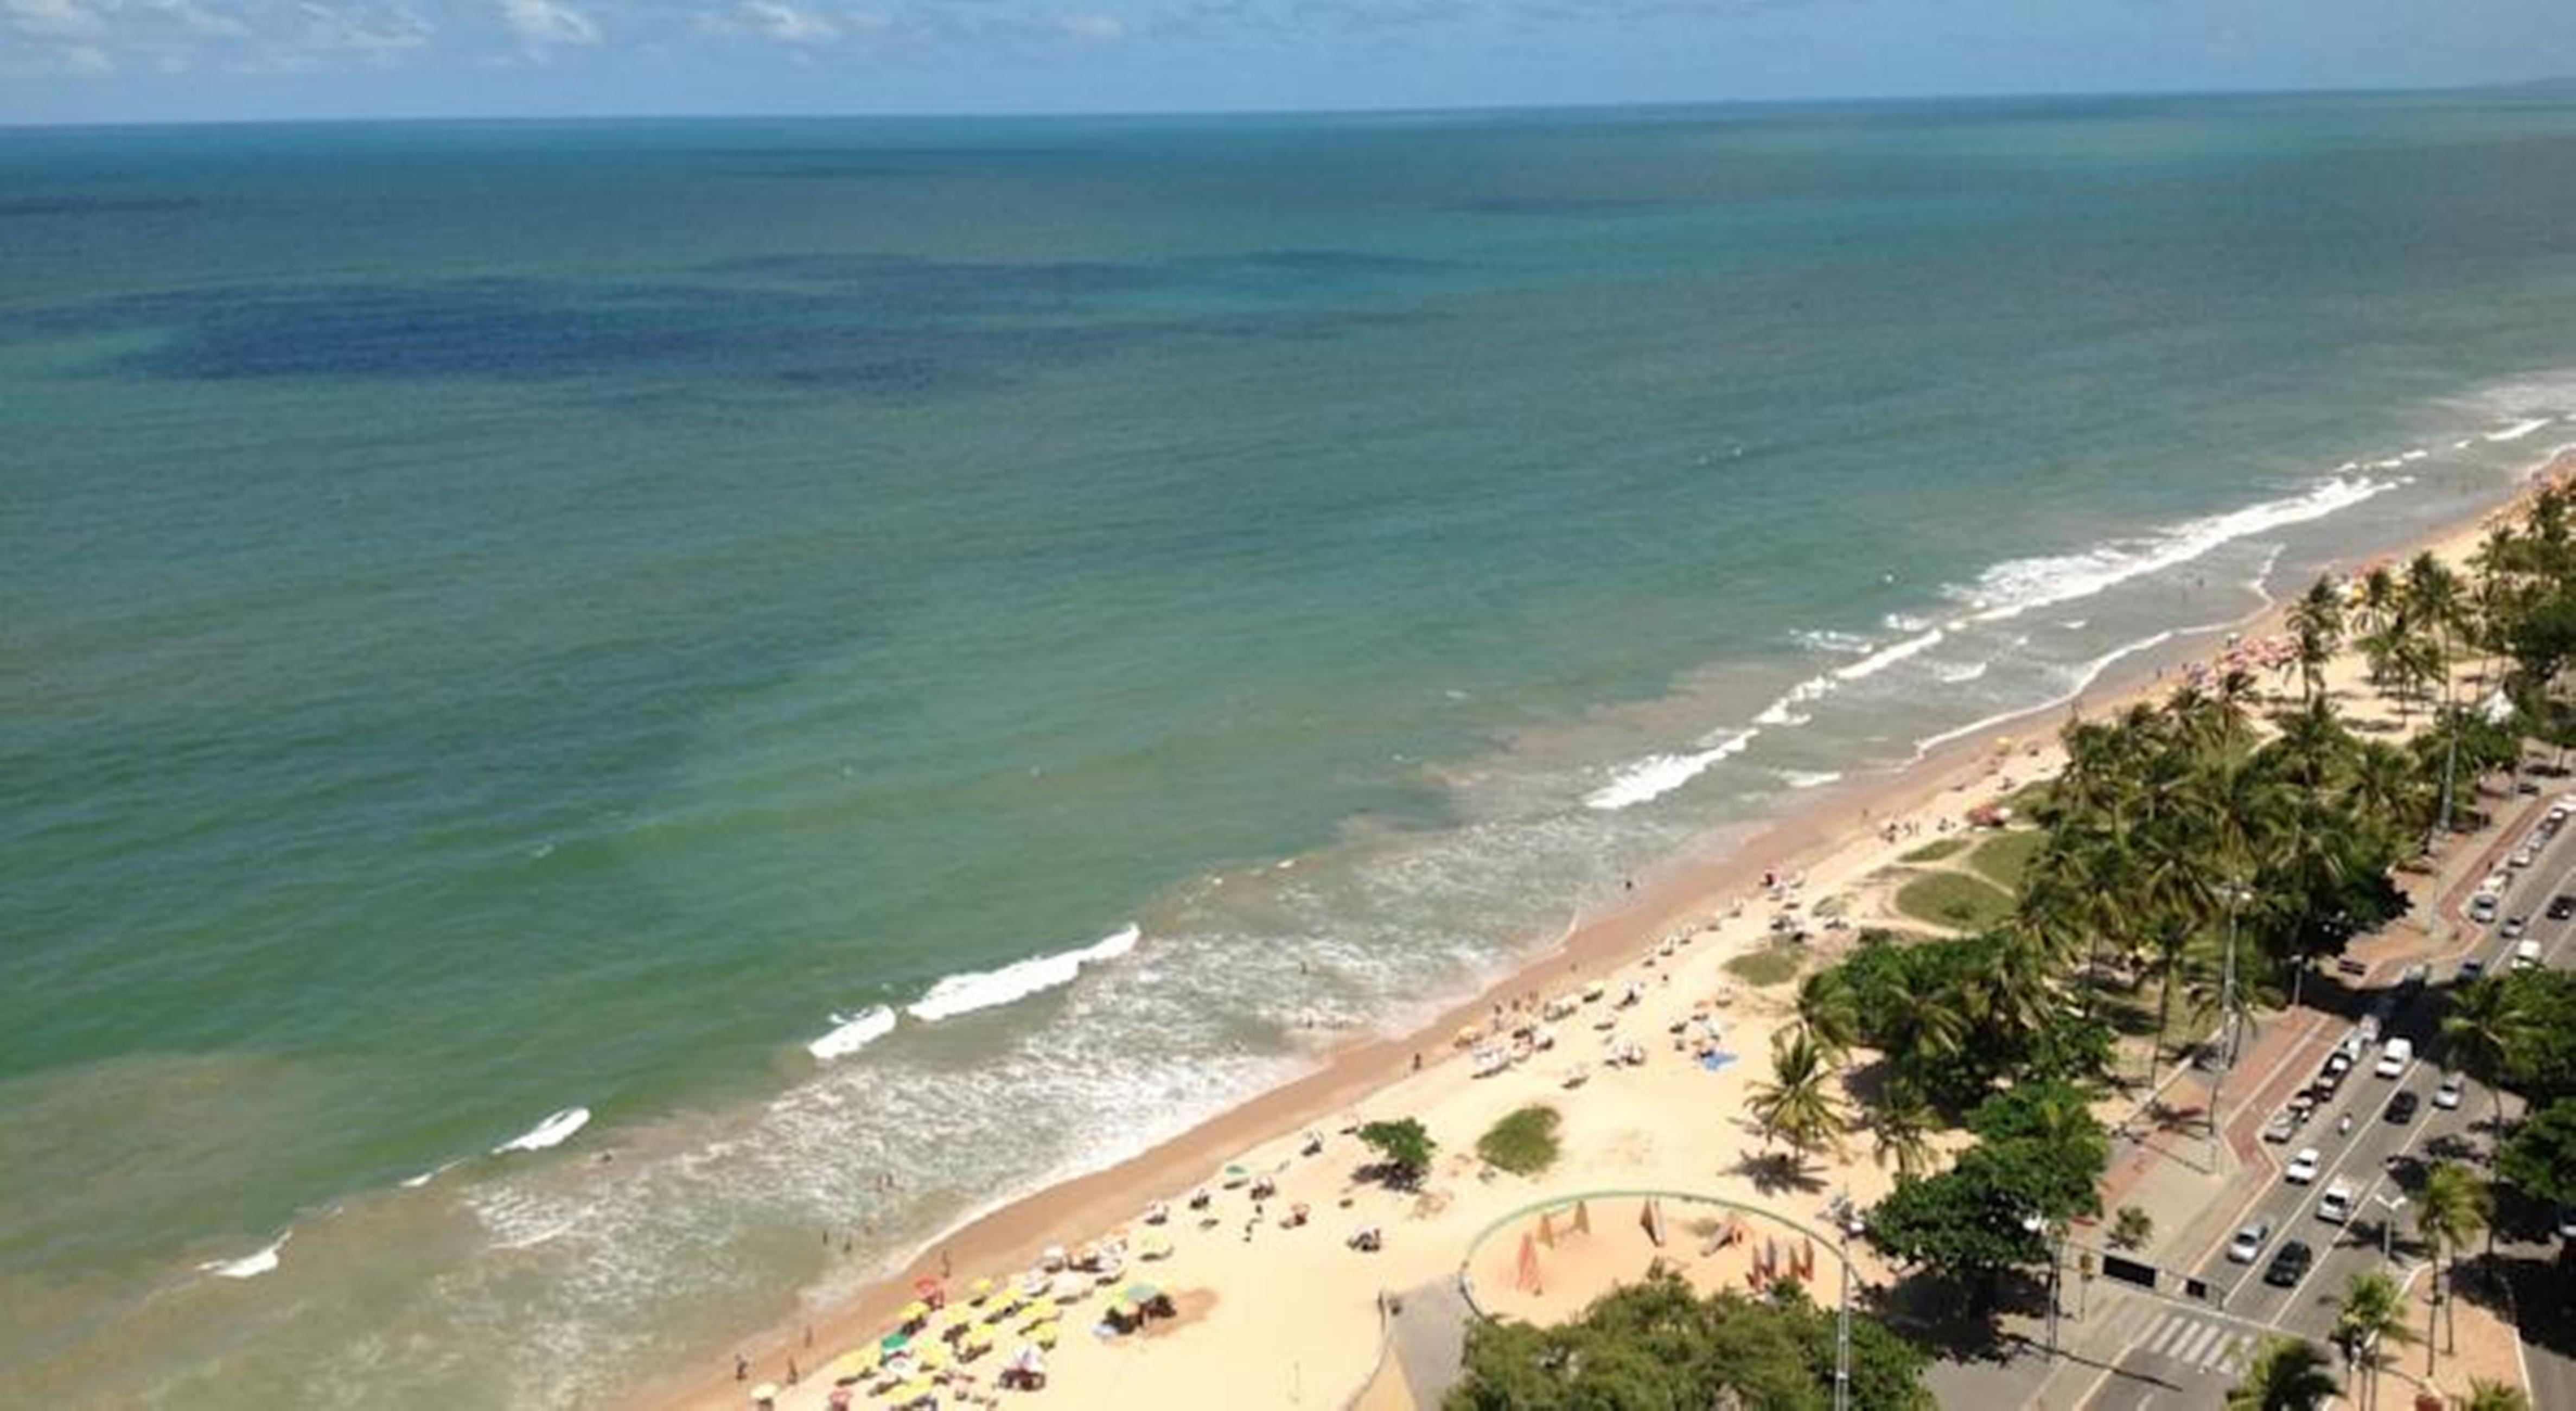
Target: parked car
(2514,926)
(2332,1078)
(2289,1265)
(2249,1242)
(2562,906)
(2526,956)
(2401,1108)
(2567,1223)
(2335,1206)
(2280,1127)
(2471,969)
(2447,1096)
(2522,857)
(2482,908)
(2303,1167)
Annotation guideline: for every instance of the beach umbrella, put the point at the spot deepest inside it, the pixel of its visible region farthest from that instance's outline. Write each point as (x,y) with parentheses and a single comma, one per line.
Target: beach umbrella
(1154,1245)
(914,1390)
(979,1290)
(840,1399)
(1068,1287)
(1236,1175)
(766,1391)
(930,1358)
(893,1343)
(978,1341)
(1141,1293)
(1043,1334)
(852,1365)
(915,1311)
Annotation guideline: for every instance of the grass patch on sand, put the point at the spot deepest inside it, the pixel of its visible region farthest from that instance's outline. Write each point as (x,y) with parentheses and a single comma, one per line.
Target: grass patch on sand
(1955,900)
(1936,850)
(1774,964)
(1523,1143)
(2005,858)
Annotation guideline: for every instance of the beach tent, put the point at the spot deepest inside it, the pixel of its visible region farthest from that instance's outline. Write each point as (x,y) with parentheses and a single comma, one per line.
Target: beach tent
(1582,1218)
(1546,1230)
(1651,1219)
(1525,1275)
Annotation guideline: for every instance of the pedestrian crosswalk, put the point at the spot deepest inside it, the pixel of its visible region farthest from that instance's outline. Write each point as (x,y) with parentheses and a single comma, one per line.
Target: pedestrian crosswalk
(2197,1341)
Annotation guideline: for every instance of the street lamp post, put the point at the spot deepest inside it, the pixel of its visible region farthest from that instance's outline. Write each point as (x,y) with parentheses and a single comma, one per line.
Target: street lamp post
(2226,1017)
(2388,1223)
(1842,1211)
(2036,1224)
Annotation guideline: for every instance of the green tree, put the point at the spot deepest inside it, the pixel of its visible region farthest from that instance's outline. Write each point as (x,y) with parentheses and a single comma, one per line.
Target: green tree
(1404,1147)
(2287,1374)
(1830,1011)
(1901,1125)
(2132,1228)
(2371,1319)
(2540,1158)
(1655,1346)
(1797,1108)
(2483,1029)
(2450,1210)
(2316,623)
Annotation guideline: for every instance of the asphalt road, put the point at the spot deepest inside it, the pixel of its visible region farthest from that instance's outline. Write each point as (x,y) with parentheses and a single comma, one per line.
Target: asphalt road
(2182,1355)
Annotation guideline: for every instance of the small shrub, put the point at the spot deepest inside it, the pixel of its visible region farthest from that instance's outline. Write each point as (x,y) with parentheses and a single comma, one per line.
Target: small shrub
(1405,1146)
(1523,1143)
(2132,1228)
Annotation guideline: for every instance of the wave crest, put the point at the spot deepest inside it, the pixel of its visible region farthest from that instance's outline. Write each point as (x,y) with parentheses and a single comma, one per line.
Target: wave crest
(963,994)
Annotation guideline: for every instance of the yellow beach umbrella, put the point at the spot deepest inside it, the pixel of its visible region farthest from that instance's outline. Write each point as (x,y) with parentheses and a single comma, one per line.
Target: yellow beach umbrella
(915,1311)
(1043,1335)
(857,1362)
(913,1390)
(930,1357)
(979,1290)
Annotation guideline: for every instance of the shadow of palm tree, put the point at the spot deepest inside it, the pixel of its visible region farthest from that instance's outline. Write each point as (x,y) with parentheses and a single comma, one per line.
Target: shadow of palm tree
(1779,1172)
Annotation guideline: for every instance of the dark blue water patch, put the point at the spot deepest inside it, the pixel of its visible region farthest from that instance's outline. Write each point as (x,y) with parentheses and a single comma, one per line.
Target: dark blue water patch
(25,207)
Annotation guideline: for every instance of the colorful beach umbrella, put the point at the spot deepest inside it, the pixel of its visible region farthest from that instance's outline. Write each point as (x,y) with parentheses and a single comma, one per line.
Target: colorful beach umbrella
(893,1343)
(979,1290)
(915,1311)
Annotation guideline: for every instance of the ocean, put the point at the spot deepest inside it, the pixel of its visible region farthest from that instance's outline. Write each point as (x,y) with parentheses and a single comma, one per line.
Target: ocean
(889,662)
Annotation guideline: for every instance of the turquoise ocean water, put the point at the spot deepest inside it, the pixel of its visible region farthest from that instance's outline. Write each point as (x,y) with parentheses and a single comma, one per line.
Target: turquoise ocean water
(1066,616)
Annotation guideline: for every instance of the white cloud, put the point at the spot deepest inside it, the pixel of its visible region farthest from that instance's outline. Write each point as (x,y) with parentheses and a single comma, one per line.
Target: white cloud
(782,23)
(1094,28)
(57,21)
(544,24)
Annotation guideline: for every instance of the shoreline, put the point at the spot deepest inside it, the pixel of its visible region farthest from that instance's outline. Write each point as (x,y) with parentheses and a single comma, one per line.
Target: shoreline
(1687,892)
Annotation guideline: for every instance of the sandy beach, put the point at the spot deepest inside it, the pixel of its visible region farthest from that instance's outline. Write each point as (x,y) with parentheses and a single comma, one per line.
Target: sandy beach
(1271,1312)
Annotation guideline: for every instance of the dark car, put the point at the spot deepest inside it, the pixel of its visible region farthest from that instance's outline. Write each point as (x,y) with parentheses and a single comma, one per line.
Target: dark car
(2401,1108)
(2289,1264)
(2562,906)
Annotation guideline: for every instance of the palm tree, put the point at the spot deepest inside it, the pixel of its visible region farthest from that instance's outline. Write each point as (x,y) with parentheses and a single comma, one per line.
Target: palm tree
(2316,620)
(2287,1374)
(2488,1394)
(2372,1316)
(1798,1108)
(2484,1025)
(2379,599)
(2450,1211)
(1830,1010)
(1901,1126)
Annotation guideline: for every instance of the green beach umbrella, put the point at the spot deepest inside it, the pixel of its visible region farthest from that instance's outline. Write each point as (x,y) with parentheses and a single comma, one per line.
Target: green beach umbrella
(1141,1294)
(894,1342)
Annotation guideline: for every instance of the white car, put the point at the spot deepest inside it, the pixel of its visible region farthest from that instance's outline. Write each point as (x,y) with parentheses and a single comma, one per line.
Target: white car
(2249,1242)
(2393,1058)
(2335,1206)
(2303,1167)
(2447,1096)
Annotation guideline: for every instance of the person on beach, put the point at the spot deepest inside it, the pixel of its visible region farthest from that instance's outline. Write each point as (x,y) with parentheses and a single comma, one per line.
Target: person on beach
(741,1368)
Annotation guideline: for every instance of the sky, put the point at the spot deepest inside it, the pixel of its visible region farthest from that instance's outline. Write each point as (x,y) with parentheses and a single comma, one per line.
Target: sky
(67,61)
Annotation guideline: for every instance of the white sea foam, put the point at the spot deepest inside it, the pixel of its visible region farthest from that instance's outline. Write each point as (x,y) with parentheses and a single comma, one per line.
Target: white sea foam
(413,1183)
(1888,656)
(1962,674)
(1658,775)
(2079,678)
(1784,711)
(2519,429)
(2462,445)
(963,994)
(2076,624)
(2015,586)
(554,1131)
(1805,779)
(852,1032)
(1905,622)
(2419,453)
(1825,639)
(249,1266)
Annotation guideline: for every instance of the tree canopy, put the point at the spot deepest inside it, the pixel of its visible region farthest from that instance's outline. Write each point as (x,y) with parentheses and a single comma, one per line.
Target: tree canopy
(1656,1345)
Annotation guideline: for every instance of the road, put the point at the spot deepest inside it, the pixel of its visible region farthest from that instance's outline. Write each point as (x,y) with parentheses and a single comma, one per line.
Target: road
(2181,1354)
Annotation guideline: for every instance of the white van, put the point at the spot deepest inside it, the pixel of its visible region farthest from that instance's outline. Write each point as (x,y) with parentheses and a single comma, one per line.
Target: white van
(2527,955)
(2393,1058)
